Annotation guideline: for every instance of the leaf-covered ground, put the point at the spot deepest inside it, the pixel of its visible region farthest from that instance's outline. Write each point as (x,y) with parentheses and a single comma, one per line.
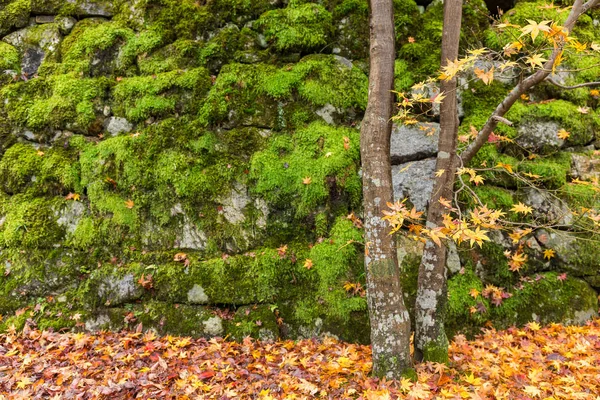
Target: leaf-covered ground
(555,362)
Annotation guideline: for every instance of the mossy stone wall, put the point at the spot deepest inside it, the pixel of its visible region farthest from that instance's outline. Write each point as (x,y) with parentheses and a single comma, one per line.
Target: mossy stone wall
(191,166)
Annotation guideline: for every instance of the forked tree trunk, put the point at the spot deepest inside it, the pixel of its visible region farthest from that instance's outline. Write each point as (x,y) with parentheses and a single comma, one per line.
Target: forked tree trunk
(431,343)
(390,322)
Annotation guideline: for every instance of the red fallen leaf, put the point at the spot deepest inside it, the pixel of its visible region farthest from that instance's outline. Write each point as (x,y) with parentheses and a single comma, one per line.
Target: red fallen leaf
(562,276)
(493,138)
(206,375)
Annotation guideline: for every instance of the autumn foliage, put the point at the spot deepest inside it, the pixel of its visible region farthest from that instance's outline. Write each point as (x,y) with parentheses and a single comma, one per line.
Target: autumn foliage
(555,362)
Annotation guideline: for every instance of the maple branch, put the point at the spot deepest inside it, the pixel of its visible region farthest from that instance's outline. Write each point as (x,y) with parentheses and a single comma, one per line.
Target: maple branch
(503,120)
(467,155)
(552,81)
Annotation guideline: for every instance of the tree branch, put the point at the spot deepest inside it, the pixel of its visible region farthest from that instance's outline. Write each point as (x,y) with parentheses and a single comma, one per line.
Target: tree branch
(552,81)
(467,155)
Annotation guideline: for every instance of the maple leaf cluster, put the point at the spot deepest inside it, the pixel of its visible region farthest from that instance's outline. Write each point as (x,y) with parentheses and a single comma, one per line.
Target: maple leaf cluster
(555,362)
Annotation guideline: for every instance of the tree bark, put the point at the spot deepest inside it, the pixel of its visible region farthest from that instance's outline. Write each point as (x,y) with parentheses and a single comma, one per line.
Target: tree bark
(390,322)
(431,343)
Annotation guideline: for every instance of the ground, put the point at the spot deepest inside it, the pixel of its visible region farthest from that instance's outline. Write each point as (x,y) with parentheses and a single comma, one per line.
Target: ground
(554,362)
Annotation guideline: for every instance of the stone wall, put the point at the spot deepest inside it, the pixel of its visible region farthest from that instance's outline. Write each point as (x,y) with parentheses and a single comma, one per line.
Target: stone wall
(195,168)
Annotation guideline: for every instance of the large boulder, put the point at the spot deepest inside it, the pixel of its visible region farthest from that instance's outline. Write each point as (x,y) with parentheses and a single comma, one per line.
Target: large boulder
(414,142)
(584,167)
(547,207)
(414,180)
(539,136)
(35,43)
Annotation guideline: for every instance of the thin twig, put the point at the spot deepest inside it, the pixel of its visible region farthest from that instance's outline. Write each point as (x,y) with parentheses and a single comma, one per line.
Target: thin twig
(552,81)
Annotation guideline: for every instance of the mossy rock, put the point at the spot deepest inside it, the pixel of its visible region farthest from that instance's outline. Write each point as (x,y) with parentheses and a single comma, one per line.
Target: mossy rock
(545,299)
(303,27)
(139,98)
(15,14)
(283,175)
(258,321)
(29,222)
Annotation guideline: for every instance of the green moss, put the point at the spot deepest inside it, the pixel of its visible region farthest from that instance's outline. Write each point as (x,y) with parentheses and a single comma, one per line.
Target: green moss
(257,321)
(336,261)
(437,351)
(236,280)
(30,223)
(239,11)
(141,97)
(553,170)
(261,95)
(181,54)
(546,298)
(494,197)
(581,126)
(95,39)
(14,14)
(424,53)
(171,19)
(458,315)
(495,264)
(320,80)
(281,169)
(403,77)
(177,319)
(296,28)
(9,57)
(550,299)
(489,156)
(580,196)
(56,102)
(22,169)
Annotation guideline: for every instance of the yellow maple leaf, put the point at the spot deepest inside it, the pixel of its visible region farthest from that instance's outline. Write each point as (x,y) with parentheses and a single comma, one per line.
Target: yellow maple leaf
(536,59)
(478,52)
(471,380)
(533,391)
(435,234)
(583,110)
(579,47)
(418,86)
(532,176)
(535,28)
(450,70)
(439,172)
(534,326)
(521,208)
(477,180)
(445,202)
(563,134)
(24,382)
(474,293)
(129,204)
(549,253)
(486,77)
(308,264)
(507,64)
(307,180)
(73,196)
(438,98)
(557,61)
(507,167)
(517,261)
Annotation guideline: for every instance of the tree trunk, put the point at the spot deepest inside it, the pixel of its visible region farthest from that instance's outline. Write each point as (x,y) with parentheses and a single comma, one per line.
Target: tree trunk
(431,343)
(390,322)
